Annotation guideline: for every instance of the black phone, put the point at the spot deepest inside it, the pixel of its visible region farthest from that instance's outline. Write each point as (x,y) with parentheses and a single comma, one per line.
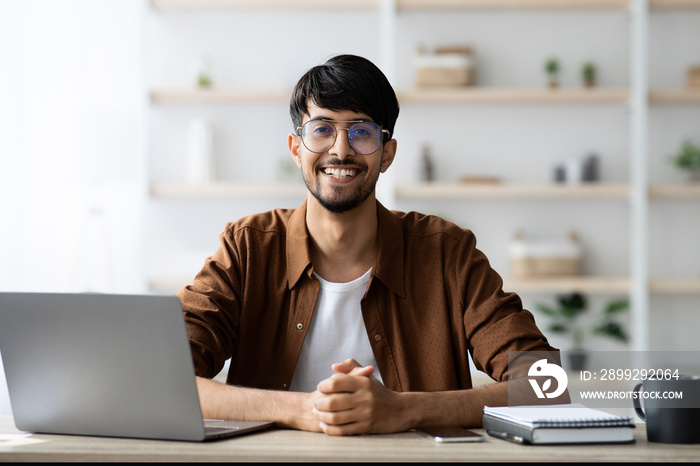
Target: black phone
(450,434)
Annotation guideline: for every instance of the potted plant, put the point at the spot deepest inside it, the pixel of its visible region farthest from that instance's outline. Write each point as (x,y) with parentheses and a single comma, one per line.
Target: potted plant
(551,67)
(203,73)
(589,74)
(687,158)
(204,81)
(569,318)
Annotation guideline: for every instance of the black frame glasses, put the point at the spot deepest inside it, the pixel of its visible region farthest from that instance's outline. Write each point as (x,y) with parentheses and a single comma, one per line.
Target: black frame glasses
(364,137)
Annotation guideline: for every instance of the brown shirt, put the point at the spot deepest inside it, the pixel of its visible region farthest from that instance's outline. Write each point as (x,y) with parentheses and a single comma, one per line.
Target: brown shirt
(432,299)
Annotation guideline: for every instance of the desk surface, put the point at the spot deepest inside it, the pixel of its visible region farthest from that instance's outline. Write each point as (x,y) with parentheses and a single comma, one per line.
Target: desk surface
(278,445)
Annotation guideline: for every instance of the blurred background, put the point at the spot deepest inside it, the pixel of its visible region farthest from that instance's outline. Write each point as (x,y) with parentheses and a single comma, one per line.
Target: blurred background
(132,131)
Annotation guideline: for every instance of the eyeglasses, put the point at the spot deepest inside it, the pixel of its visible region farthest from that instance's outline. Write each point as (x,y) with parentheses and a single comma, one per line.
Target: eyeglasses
(364,137)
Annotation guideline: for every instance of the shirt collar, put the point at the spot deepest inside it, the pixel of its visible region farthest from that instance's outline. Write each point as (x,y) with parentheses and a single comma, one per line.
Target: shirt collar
(389,265)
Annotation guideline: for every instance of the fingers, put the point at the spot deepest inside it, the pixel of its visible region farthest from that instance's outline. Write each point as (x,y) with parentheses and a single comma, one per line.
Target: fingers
(342,414)
(362,371)
(332,409)
(350,428)
(341,392)
(352,367)
(346,366)
(345,399)
(344,383)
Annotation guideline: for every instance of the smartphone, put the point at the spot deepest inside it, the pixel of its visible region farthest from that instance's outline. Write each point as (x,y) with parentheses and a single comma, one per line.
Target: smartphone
(450,434)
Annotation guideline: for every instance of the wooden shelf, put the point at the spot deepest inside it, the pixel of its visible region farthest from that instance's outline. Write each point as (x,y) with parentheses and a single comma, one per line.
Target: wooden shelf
(675,191)
(405,5)
(503,95)
(602,285)
(582,284)
(675,286)
(464,95)
(186,96)
(681,95)
(228,189)
(181,5)
(444,190)
(438,190)
(439,96)
(674,4)
(512,191)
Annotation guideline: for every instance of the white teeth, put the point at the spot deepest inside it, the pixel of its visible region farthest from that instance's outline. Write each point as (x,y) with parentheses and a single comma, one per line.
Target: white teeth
(340,173)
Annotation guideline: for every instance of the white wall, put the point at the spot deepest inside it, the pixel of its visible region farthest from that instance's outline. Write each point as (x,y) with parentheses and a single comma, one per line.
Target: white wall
(70,177)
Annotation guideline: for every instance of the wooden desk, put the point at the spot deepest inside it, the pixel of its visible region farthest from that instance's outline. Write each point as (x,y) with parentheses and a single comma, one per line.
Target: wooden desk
(286,445)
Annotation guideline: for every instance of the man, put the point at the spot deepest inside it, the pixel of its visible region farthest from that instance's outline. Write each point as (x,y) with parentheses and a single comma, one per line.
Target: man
(341,316)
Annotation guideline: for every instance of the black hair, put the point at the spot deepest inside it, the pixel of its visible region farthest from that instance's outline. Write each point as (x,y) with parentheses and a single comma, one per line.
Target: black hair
(346,82)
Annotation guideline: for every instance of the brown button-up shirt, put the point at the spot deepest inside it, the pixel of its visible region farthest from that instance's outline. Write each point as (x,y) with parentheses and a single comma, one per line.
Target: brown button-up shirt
(432,299)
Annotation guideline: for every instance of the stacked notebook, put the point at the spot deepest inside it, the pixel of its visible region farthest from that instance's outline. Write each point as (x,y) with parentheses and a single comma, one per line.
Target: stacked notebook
(569,423)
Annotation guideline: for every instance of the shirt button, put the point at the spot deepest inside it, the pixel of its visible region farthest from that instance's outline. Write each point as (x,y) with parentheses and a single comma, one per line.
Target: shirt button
(300,326)
(377,337)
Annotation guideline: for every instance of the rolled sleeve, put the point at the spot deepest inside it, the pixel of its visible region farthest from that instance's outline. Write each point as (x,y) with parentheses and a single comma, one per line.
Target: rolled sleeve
(211,306)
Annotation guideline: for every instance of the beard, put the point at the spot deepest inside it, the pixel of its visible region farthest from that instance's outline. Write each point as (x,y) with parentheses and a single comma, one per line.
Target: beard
(342,199)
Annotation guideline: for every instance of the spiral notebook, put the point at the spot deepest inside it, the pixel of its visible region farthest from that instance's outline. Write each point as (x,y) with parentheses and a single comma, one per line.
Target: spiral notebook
(569,423)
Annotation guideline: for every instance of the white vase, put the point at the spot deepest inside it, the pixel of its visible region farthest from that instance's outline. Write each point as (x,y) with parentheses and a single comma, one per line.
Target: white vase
(200,163)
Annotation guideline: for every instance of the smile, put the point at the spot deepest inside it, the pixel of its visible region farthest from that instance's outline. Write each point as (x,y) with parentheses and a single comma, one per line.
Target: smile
(340,173)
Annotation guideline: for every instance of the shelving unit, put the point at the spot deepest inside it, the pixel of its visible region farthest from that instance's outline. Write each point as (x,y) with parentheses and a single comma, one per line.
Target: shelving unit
(542,191)
(591,285)
(675,191)
(441,96)
(431,96)
(674,4)
(674,96)
(674,286)
(568,5)
(514,96)
(512,191)
(639,97)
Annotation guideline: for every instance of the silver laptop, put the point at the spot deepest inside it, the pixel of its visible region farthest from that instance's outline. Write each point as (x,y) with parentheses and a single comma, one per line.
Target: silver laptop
(103,365)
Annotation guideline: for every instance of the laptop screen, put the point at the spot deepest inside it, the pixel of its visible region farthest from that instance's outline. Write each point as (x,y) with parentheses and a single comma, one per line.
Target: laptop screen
(95,364)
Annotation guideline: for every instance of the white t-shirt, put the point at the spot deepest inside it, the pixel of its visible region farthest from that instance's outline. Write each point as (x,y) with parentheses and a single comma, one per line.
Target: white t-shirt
(337,332)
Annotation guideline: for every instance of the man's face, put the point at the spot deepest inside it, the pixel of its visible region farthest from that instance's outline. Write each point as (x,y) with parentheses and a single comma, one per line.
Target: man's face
(340,179)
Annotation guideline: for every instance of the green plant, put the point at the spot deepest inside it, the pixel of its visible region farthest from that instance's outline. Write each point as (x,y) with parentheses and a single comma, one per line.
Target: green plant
(589,72)
(203,80)
(551,67)
(687,157)
(568,318)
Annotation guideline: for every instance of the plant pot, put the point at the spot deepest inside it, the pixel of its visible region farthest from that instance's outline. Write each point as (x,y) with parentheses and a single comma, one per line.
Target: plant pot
(577,360)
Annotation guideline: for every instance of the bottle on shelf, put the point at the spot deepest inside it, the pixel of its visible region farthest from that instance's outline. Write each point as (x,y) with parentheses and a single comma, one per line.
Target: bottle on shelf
(427,172)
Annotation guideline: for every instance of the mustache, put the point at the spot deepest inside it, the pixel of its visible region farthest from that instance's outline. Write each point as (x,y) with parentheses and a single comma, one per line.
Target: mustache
(346,161)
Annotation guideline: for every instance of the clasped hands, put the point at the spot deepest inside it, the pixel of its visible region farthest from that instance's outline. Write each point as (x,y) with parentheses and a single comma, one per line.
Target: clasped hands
(352,401)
